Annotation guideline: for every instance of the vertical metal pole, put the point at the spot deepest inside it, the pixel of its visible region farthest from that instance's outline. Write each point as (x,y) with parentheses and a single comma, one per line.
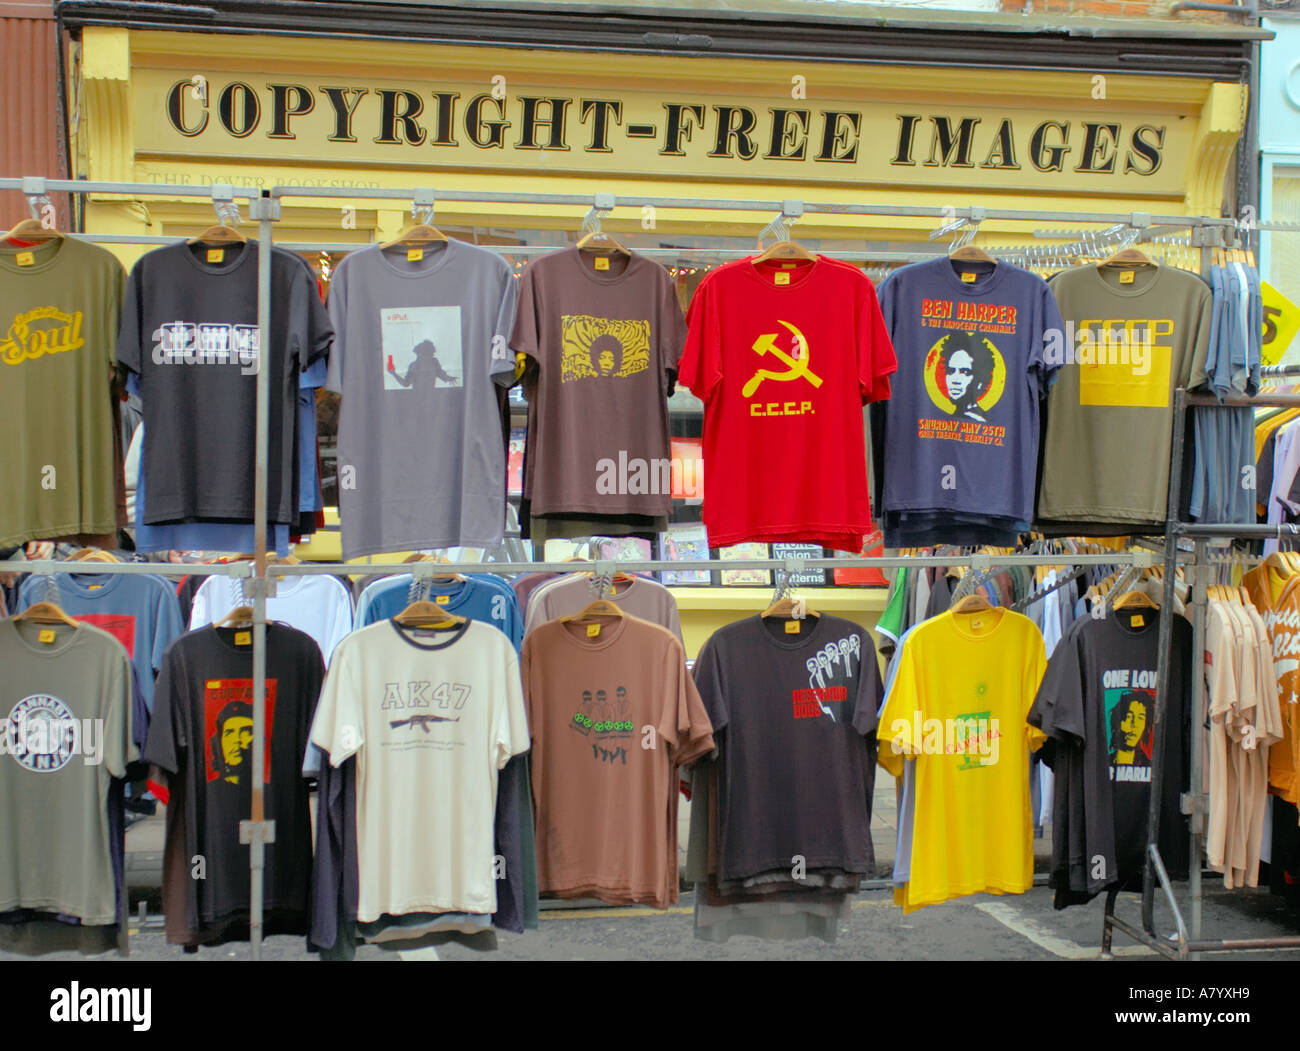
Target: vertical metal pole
(1198,739)
(257,857)
(1164,661)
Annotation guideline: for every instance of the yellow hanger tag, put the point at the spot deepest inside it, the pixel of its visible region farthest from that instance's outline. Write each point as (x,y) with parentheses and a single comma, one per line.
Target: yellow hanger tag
(602,263)
(792,627)
(46,635)
(243,638)
(414,255)
(1137,621)
(967,277)
(1126,276)
(216,255)
(976,624)
(593,630)
(781,278)
(25,259)
(442,600)
(94,587)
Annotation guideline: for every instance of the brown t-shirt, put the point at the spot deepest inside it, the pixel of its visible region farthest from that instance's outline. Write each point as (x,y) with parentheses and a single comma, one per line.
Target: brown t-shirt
(612,716)
(602,343)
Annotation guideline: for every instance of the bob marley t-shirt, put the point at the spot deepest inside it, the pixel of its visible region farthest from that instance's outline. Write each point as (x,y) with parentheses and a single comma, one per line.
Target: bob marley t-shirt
(961,425)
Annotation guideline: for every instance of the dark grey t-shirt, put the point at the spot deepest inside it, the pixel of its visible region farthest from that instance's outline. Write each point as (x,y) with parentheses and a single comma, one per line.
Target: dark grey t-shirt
(794,720)
(190,333)
(1097,703)
(420,347)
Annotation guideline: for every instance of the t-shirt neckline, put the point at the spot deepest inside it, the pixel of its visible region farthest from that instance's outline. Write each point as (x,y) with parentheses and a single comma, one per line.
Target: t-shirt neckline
(454,636)
(1136,290)
(10,252)
(218,269)
(108,584)
(762,275)
(609,634)
(440,260)
(986,283)
(970,636)
(41,649)
(575,254)
(796,641)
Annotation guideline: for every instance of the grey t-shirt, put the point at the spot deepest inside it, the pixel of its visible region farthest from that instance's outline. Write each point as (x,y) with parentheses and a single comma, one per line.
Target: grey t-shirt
(55,777)
(640,597)
(419,347)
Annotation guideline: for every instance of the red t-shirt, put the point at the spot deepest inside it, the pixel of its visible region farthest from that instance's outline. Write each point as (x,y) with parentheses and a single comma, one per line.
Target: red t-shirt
(783,370)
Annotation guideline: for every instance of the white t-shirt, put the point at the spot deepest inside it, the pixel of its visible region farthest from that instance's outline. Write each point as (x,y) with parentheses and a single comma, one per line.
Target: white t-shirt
(317,605)
(431,717)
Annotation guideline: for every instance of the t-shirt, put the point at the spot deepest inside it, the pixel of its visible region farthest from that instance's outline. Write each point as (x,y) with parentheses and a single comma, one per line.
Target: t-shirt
(55,779)
(421,347)
(1097,701)
(318,605)
(190,332)
(201,736)
(613,714)
(141,612)
(640,597)
(962,689)
(602,344)
(961,431)
(479,597)
(784,355)
(432,716)
(1109,415)
(794,719)
(1281,616)
(58,330)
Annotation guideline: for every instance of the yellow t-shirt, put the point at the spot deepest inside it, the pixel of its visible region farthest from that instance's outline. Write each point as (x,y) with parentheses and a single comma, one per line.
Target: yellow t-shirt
(964,686)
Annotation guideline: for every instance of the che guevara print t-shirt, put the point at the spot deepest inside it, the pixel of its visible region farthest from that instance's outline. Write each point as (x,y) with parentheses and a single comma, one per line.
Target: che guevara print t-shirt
(784,354)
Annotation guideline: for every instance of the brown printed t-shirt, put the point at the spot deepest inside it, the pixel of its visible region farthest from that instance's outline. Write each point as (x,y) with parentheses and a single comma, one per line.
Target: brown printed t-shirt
(612,716)
(60,303)
(602,343)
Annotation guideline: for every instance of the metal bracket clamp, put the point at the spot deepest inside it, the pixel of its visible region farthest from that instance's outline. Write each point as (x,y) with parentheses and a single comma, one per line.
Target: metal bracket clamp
(976,214)
(257,832)
(423,202)
(981,563)
(1139,220)
(1196,806)
(423,570)
(260,208)
(791,209)
(795,564)
(604,202)
(34,186)
(1143,558)
(253,586)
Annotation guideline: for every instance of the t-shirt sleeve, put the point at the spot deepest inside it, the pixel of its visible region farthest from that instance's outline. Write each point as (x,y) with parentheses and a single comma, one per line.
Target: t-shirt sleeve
(318,330)
(876,358)
(1051,328)
(1035,669)
(336,308)
(700,367)
(201,612)
(118,747)
(1057,709)
(502,360)
(711,685)
(1194,372)
(130,352)
(168,625)
(340,623)
(870,689)
(167,741)
(525,334)
(902,712)
(525,671)
(339,728)
(511,732)
(672,329)
(691,733)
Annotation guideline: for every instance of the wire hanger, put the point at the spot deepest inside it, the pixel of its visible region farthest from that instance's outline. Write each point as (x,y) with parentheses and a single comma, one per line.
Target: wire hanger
(784,247)
(592,238)
(422,231)
(783,603)
(40,227)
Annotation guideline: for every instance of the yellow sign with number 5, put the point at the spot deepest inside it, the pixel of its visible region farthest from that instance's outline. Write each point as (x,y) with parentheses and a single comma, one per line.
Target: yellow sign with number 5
(1281,320)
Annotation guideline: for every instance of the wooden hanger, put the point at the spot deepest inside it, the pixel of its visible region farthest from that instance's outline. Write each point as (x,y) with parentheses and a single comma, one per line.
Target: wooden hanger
(977,602)
(971,253)
(1129,257)
(601,607)
(45,613)
(1279,563)
(91,554)
(427,615)
(239,617)
(32,230)
(458,578)
(600,241)
(784,250)
(220,234)
(1135,600)
(784,607)
(419,234)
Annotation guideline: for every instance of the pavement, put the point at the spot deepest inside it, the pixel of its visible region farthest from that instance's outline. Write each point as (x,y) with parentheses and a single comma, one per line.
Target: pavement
(980,927)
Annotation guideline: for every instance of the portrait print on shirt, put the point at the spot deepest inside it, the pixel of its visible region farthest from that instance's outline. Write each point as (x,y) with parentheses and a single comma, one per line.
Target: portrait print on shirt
(965,376)
(1129,719)
(422,348)
(228,721)
(599,348)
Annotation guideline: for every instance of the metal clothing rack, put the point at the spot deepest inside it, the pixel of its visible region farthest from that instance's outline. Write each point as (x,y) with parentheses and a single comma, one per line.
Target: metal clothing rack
(265,210)
(1194,804)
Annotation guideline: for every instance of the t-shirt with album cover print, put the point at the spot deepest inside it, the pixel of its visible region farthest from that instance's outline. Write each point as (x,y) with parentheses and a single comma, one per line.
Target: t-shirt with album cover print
(201,738)
(421,351)
(793,706)
(784,354)
(603,334)
(190,333)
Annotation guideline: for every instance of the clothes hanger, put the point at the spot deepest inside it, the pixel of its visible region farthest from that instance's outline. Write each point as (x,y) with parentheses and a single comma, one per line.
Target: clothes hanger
(239,617)
(601,607)
(91,554)
(458,578)
(45,613)
(784,250)
(1135,600)
(419,234)
(601,241)
(32,230)
(974,603)
(1129,257)
(220,234)
(424,614)
(784,607)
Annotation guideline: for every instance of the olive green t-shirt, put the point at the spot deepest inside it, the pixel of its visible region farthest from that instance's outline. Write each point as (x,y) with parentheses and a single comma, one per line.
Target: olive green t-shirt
(1129,343)
(60,303)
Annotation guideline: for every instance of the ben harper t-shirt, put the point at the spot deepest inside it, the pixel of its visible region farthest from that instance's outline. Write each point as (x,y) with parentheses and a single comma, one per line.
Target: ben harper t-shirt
(421,346)
(784,355)
(961,426)
(190,333)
